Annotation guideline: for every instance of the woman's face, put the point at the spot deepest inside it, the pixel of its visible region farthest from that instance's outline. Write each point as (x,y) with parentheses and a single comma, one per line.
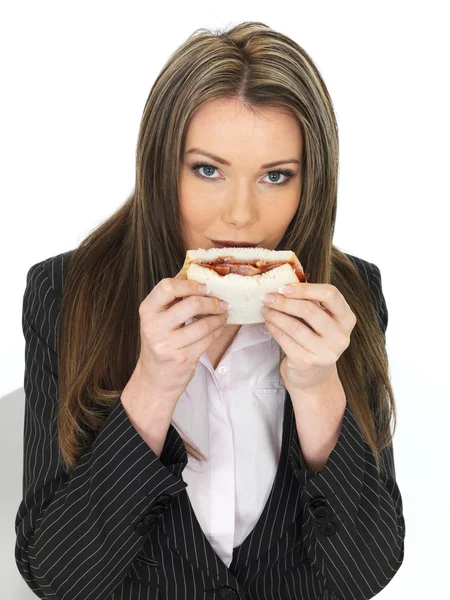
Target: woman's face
(241,201)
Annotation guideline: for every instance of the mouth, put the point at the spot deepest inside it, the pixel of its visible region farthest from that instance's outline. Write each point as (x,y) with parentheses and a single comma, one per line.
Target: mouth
(231,244)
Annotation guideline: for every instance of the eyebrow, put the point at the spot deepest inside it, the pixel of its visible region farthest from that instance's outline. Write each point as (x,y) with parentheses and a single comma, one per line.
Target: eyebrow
(226,162)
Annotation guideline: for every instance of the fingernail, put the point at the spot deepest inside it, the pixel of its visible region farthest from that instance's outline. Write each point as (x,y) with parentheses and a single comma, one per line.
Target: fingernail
(223,304)
(285,289)
(267,297)
(203,288)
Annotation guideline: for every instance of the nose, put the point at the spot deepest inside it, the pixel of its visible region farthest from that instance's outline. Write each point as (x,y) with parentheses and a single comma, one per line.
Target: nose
(240,208)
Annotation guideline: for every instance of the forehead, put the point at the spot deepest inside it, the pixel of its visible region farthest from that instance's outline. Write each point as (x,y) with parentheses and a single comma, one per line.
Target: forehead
(225,125)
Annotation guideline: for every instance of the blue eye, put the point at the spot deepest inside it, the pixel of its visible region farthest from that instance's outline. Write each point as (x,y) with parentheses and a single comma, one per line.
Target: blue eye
(197,166)
(288,173)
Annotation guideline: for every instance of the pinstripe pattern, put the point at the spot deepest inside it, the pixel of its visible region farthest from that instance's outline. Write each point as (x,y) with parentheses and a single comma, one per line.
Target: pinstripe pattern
(121,527)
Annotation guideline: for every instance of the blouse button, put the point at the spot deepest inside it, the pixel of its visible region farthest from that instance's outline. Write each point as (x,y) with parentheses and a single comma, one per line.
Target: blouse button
(222,369)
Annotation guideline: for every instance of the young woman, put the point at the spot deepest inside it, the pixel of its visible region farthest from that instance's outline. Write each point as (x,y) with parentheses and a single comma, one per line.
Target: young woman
(172,457)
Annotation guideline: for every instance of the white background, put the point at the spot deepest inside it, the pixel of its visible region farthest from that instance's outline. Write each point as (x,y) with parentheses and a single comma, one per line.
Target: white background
(75,80)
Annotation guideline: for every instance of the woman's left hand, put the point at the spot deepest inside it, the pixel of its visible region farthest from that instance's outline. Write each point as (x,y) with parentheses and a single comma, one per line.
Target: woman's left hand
(312,337)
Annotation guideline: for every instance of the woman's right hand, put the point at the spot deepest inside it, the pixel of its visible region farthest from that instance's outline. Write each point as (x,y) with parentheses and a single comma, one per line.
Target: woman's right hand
(170,349)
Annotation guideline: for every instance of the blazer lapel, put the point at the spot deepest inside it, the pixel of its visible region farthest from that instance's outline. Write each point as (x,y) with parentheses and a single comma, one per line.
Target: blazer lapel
(185,535)
(282,506)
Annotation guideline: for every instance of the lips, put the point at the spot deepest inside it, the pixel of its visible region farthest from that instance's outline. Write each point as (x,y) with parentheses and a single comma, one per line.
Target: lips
(227,244)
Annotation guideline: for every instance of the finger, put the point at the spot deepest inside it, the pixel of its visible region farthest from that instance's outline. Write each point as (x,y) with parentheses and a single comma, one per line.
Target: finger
(294,350)
(328,295)
(314,316)
(297,331)
(169,290)
(190,307)
(197,331)
(297,352)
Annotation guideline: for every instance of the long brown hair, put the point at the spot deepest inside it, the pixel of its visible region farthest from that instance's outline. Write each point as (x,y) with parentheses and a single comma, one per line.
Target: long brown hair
(111,272)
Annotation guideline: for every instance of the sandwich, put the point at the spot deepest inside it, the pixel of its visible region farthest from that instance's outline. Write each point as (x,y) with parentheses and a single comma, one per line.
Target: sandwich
(241,275)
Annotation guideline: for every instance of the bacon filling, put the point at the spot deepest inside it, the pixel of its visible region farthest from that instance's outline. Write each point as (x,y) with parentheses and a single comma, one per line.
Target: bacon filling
(223,265)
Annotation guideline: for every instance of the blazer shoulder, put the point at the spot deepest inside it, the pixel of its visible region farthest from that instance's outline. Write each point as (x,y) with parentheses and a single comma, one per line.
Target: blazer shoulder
(364,267)
(371,274)
(52,268)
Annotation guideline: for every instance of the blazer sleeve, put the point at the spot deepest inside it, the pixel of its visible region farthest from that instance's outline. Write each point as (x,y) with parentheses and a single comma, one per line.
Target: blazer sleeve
(77,533)
(353,527)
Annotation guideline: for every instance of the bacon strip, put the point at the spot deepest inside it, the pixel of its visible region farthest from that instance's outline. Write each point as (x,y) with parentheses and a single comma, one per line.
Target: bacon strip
(223,265)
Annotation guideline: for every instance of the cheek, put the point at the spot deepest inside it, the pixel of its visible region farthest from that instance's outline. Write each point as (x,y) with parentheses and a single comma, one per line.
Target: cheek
(191,205)
(196,212)
(279,218)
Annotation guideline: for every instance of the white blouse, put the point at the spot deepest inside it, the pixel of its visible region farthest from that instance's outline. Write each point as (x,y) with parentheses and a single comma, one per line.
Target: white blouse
(234,416)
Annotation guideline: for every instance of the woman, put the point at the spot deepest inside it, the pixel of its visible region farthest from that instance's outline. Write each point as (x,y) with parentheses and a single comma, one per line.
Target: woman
(284,485)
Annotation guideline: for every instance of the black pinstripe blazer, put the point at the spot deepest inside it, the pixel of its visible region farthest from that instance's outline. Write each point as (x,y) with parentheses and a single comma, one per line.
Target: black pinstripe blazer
(121,526)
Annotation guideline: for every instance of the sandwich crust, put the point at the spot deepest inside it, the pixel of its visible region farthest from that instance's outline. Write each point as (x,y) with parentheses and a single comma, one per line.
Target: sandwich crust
(242,292)
(238,254)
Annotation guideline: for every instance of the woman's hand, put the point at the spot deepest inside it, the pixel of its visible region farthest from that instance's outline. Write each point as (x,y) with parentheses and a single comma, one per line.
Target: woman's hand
(312,337)
(170,349)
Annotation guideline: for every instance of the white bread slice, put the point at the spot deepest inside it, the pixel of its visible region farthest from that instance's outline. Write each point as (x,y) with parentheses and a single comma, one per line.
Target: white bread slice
(241,291)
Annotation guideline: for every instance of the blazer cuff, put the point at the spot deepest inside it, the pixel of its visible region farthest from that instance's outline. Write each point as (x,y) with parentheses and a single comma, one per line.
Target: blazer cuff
(169,465)
(340,481)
